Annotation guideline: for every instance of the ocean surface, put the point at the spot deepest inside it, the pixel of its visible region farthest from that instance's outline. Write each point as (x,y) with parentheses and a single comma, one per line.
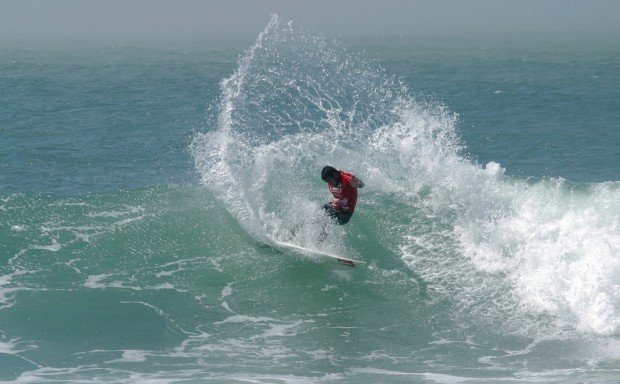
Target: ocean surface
(138,181)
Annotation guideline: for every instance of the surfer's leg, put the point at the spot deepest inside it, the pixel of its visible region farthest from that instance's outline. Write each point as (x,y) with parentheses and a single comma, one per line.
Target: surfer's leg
(293,231)
(322,236)
(339,217)
(332,213)
(343,217)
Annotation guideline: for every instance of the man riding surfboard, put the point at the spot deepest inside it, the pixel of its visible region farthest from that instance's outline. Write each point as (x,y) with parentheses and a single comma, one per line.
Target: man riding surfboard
(343,187)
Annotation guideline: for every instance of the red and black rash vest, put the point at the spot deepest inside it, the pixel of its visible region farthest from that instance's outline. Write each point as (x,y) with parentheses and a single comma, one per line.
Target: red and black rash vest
(345,196)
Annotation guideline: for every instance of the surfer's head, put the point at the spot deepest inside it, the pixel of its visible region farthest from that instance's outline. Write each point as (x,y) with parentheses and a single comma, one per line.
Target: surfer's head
(330,175)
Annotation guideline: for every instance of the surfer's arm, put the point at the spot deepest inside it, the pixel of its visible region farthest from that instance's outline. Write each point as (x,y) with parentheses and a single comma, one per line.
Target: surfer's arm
(357,183)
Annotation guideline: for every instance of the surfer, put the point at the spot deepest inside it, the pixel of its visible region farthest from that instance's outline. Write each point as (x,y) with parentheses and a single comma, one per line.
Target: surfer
(343,187)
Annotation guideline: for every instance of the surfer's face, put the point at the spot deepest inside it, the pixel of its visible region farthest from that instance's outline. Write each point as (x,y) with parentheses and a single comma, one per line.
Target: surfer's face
(333,179)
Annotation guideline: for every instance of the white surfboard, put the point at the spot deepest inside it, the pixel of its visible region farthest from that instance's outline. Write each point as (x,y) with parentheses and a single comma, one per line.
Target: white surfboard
(317,255)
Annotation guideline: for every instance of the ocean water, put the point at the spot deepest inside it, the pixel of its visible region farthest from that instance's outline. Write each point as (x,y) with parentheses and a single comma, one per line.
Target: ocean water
(138,181)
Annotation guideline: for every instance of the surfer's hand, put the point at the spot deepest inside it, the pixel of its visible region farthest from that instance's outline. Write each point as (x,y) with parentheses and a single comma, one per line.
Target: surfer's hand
(357,183)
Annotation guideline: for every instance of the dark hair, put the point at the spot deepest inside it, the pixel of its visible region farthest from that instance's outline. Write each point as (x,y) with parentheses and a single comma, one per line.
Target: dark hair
(328,171)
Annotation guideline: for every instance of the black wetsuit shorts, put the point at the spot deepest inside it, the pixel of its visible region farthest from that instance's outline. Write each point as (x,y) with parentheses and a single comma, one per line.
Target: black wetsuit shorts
(341,217)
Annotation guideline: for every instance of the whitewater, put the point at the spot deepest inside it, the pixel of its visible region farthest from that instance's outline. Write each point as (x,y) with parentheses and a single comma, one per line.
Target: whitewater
(274,128)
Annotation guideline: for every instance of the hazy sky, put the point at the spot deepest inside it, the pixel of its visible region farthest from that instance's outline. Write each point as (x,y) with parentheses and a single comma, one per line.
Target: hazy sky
(206,19)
